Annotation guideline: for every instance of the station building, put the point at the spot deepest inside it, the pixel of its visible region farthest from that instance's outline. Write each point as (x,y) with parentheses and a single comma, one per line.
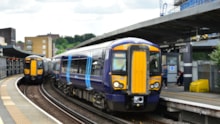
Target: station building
(39,45)
(9,35)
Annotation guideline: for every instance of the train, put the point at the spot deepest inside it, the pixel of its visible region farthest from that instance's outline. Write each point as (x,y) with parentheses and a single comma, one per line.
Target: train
(36,69)
(121,75)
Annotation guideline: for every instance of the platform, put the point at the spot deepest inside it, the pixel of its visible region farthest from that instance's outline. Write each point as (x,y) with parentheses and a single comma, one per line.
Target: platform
(177,92)
(192,107)
(15,108)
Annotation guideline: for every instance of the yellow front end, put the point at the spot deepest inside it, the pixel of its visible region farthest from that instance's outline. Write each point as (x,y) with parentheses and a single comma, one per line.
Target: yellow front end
(26,71)
(137,79)
(40,72)
(130,69)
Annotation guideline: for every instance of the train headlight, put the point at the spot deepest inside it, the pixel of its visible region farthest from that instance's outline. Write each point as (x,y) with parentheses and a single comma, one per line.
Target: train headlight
(151,86)
(156,85)
(121,85)
(116,84)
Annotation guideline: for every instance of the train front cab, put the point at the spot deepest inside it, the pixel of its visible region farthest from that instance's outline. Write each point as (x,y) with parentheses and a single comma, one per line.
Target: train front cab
(33,69)
(135,78)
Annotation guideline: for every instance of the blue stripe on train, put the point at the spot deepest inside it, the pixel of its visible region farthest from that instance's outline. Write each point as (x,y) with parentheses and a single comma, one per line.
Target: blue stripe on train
(68,69)
(88,72)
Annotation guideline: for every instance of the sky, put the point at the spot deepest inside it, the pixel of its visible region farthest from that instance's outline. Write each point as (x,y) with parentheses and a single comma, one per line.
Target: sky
(74,17)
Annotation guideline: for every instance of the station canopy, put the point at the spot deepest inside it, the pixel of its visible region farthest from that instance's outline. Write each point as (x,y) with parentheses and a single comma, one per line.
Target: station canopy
(170,29)
(12,51)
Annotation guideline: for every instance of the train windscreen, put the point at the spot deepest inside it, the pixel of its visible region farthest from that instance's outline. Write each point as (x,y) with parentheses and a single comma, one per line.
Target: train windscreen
(119,63)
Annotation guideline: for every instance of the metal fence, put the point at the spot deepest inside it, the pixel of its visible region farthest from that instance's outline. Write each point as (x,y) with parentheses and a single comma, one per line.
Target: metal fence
(210,71)
(206,70)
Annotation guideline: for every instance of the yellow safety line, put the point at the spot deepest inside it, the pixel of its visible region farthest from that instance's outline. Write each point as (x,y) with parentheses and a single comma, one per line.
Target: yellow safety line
(13,110)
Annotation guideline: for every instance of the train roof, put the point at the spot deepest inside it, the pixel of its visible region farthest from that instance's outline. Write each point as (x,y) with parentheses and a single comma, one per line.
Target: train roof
(34,56)
(108,44)
(37,56)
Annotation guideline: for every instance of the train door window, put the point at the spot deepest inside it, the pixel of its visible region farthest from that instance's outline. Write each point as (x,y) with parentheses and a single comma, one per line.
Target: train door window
(64,66)
(154,63)
(74,66)
(40,64)
(97,63)
(96,67)
(119,62)
(82,66)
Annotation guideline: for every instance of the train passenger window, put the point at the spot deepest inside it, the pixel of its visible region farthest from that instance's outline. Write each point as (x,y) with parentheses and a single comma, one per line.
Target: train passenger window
(119,63)
(78,66)
(154,63)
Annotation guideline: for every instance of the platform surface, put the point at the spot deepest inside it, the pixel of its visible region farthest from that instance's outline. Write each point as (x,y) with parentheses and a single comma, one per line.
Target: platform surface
(16,109)
(177,92)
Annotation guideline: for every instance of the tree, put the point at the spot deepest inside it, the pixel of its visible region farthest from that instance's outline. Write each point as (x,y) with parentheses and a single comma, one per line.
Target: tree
(61,41)
(87,36)
(68,42)
(69,39)
(19,41)
(215,55)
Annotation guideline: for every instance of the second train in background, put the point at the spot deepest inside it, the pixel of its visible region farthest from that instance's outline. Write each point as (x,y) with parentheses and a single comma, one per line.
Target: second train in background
(36,68)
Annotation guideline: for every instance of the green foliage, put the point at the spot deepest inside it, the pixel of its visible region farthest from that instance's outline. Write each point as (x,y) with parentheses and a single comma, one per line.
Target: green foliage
(200,55)
(68,42)
(19,41)
(215,55)
(60,51)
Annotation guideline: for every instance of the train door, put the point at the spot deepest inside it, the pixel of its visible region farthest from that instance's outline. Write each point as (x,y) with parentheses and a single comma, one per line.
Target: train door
(138,76)
(172,60)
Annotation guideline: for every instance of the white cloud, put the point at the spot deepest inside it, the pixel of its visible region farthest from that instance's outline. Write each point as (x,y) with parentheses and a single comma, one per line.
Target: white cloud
(70,17)
(18,6)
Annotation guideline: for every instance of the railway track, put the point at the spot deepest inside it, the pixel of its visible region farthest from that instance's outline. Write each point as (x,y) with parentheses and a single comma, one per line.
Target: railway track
(34,93)
(65,109)
(46,98)
(119,118)
(75,111)
(84,108)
